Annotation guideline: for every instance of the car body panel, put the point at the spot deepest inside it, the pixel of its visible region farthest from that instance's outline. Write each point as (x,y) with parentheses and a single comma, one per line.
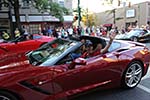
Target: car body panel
(58,81)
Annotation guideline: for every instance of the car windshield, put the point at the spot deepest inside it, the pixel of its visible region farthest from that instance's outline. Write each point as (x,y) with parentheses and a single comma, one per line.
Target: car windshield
(50,51)
(37,37)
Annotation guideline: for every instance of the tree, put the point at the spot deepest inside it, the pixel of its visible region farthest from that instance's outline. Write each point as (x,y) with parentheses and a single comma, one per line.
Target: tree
(41,5)
(15,5)
(58,11)
(52,7)
(86,17)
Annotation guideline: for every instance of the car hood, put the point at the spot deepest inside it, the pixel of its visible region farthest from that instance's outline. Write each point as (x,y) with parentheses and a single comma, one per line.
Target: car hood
(10,59)
(15,66)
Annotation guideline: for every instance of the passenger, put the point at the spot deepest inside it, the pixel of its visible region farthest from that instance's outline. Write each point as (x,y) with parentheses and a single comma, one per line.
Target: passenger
(83,48)
(98,50)
(88,50)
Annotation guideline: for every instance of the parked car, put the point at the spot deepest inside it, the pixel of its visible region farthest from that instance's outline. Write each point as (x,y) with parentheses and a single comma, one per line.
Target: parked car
(137,35)
(53,73)
(21,44)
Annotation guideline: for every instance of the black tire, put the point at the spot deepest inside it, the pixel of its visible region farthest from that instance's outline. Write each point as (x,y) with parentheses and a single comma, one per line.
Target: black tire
(131,77)
(7,96)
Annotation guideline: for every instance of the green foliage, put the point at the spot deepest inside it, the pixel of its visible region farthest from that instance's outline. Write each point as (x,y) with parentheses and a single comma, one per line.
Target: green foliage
(52,7)
(58,11)
(86,17)
(41,5)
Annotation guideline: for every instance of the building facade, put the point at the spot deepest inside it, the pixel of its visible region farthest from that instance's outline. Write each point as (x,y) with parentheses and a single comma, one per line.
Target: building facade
(5,17)
(126,16)
(33,20)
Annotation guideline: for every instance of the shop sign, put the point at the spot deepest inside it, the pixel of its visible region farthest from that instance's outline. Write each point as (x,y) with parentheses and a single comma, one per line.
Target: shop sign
(130,13)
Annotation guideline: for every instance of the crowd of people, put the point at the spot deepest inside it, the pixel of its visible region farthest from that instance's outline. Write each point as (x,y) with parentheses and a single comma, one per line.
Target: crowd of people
(67,31)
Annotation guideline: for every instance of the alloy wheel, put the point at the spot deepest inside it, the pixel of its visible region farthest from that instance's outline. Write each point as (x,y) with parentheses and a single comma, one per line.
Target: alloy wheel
(4,97)
(133,75)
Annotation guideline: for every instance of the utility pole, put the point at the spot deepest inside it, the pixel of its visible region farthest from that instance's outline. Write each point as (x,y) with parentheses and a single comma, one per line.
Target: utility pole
(87,17)
(114,16)
(79,13)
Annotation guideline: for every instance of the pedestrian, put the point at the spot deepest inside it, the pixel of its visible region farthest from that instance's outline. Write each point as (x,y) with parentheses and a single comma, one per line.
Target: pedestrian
(148,25)
(49,31)
(5,35)
(44,31)
(17,33)
(70,31)
(55,34)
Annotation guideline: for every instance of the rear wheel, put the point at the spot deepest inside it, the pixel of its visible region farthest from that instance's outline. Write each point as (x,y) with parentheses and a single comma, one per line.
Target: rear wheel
(135,39)
(132,75)
(7,96)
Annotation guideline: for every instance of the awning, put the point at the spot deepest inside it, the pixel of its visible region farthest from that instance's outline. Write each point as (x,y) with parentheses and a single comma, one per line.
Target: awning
(107,25)
(44,18)
(68,18)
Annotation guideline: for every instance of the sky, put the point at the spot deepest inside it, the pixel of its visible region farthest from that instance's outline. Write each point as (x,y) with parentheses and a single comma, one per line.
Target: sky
(96,5)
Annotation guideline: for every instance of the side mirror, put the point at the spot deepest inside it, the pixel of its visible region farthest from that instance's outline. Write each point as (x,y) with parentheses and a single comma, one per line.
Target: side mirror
(78,61)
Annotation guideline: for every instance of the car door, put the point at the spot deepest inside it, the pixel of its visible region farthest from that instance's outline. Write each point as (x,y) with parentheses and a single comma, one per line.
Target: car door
(96,72)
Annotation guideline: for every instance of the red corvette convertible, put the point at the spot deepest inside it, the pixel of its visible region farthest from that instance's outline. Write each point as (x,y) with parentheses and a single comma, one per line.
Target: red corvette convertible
(52,73)
(22,45)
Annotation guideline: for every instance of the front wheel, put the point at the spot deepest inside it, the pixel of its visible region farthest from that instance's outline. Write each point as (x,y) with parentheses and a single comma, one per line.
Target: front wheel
(7,96)
(132,75)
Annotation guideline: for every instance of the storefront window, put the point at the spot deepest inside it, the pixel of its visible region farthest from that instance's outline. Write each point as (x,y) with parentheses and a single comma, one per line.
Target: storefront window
(34,28)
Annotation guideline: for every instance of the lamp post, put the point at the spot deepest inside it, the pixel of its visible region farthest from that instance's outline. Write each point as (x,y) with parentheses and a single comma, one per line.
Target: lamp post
(79,13)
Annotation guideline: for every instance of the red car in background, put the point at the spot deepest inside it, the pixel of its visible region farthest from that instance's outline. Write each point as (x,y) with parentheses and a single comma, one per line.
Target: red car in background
(14,50)
(20,44)
(54,74)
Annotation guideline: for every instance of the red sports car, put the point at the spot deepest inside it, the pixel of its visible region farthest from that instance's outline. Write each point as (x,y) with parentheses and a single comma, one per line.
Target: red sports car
(22,45)
(53,73)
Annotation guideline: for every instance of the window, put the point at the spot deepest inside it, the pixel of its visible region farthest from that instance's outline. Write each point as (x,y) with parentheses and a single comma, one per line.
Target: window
(26,3)
(114,46)
(34,28)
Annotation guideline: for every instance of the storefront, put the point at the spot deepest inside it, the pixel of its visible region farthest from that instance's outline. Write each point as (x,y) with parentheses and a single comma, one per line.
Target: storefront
(35,23)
